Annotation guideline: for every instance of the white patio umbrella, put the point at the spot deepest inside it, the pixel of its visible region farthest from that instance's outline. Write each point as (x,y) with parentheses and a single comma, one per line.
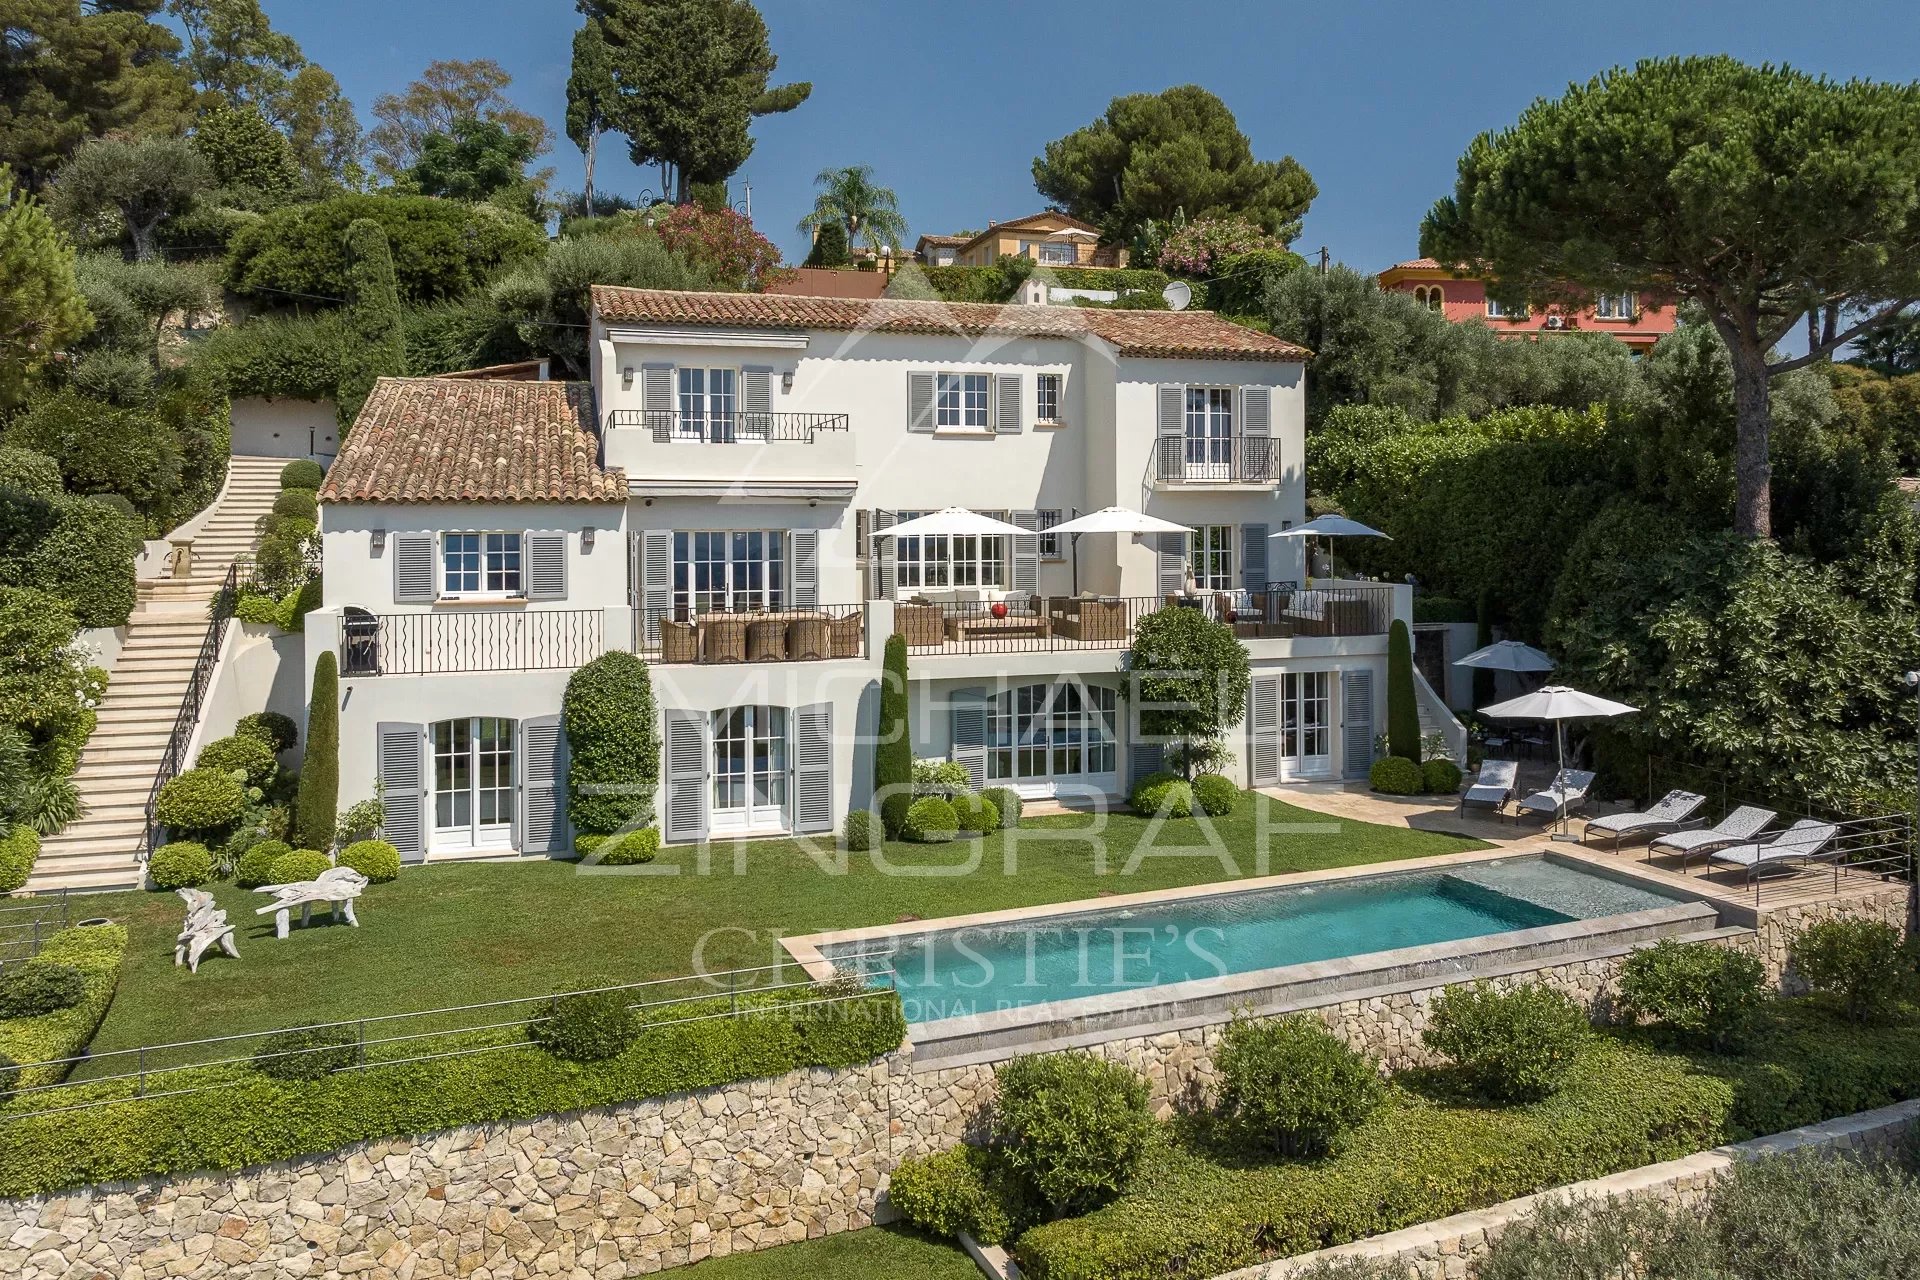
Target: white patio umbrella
(951,522)
(1112,520)
(1559,704)
(1507,655)
(1329,526)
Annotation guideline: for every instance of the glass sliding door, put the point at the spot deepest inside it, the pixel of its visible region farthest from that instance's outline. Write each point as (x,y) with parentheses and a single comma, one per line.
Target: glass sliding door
(473,783)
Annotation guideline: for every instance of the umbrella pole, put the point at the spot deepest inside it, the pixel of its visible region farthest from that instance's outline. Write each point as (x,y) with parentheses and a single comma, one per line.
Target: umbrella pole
(1076,564)
(1560,758)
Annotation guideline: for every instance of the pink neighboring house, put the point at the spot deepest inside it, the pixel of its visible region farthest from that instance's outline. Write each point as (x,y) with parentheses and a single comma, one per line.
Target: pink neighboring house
(1635,319)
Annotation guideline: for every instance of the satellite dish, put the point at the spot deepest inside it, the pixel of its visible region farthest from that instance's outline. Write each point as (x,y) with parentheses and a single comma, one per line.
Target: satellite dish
(1179,295)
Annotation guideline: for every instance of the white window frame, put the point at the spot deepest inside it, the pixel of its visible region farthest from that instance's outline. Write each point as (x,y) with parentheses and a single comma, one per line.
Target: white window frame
(1049,389)
(960,401)
(716,418)
(1210,557)
(735,564)
(1048,247)
(1497,312)
(1042,731)
(943,562)
(1209,428)
(467,824)
(1616,306)
(762,750)
(497,552)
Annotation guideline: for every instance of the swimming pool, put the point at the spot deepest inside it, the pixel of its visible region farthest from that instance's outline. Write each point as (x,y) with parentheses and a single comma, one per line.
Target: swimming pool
(973,969)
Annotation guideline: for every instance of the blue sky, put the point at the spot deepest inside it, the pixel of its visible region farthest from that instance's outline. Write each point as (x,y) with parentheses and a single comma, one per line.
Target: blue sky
(951,102)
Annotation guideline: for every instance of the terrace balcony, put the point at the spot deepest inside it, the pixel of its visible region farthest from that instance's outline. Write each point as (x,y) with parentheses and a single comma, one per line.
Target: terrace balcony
(1234,461)
(669,454)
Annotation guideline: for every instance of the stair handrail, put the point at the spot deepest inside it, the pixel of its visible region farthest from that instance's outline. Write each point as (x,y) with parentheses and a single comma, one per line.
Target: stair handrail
(219,611)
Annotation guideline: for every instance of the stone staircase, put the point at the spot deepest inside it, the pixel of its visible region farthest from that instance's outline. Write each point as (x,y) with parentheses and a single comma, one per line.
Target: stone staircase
(101,848)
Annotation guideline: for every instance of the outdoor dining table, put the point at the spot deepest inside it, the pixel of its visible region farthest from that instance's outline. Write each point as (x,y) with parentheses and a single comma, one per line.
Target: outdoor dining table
(771,636)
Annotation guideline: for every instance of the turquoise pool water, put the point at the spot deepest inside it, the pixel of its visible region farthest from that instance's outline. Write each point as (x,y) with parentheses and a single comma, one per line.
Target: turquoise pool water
(960,972)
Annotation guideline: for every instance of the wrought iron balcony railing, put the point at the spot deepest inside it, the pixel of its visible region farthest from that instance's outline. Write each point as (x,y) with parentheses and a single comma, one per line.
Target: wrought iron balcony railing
(1229,459)
(668,425)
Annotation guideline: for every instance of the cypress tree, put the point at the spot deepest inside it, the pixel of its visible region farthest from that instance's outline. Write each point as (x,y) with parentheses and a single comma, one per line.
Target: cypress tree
(318,800)
(1482,677)
(1403,712)
(893,753)
(376,341)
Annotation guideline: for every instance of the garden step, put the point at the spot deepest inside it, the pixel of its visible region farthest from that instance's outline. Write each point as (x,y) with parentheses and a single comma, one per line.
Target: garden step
(149,680)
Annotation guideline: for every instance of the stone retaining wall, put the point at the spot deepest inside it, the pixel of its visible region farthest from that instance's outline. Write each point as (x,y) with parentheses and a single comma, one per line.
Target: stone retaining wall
(636,1188)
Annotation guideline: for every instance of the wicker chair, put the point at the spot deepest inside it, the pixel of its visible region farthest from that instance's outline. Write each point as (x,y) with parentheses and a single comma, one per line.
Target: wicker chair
(767,640)
(679,641)
(921,624)
(724,638)
(844,636)
(807,639)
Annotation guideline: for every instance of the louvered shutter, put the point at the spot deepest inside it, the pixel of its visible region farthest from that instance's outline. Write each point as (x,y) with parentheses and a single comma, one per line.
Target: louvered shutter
(656,388)
(1171,567)
(882,557)
(545,566)
(1356,721)
(403,797)
(756,401)
(1263,730)
(919,401)
(686,752)
(1010,394)
(1253,558)
(1256,428)
(1144,758)
(969,712)
(543,810)
(813,767)
(656,582)
(1026,554)
(413,576)
(804,546)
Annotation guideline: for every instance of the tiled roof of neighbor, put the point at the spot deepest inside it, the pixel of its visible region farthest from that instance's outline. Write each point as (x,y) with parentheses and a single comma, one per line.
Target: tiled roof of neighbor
(945,242)
(1416,264)
(460,440)
(1199,335)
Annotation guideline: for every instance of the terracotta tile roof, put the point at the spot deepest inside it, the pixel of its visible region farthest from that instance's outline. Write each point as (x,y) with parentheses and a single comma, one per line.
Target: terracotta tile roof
(1416,264)
(1195,335)
(944,242)
(460,440)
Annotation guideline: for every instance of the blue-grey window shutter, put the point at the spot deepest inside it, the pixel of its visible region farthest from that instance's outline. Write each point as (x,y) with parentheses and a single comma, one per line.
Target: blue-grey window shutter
(403,781)
(686,752)
(1256,429)
(1253,558)
(546,566)
(1173,410)
(813,767)
(1356,721)
(1171,567)
(656,388)
(1026,554)
(1011,395)
(919,401)
(656,582)
(805,548)
(1263,730)
(756,401)
(969,711)
(1144,758)
(882,556)
(413,568)
(543,771)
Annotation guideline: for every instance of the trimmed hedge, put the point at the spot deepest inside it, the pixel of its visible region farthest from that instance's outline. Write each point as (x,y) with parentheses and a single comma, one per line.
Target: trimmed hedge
(1215,794)
(893,744)
(96,952)
(377,860)
(307,1054)
(200,800)
(960,1189)
(1514,1045)
(1697,991)
(246,1118)
(977,814)
(240,753)
(613,744)
(19,850)
(255,867)
(181,864)
(297,865)
(1863,966)
(297,504)
(930,820)
(1161,795)
(302,473)
(1008,802)
(861,831)
(272,728)
(39,987)
(1396,776)
(629,850)
(1440,777)
(590,1026)
(314,808)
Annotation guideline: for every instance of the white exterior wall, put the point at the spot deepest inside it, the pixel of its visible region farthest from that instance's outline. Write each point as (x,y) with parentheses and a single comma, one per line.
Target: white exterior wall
(268,428)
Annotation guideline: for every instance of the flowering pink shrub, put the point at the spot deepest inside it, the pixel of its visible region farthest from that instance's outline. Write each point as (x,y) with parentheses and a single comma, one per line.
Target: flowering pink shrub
(1193,250)
(724,242)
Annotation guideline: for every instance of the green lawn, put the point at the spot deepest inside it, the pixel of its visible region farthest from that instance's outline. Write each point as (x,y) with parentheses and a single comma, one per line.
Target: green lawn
(464,933)
(878,1253)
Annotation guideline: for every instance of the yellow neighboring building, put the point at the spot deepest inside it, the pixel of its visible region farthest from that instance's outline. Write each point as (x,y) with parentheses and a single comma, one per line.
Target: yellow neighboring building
(1051,238)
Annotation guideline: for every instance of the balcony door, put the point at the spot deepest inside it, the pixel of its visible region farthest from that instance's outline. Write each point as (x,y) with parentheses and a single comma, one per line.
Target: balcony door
(1209,454)
(749,769)
(709,407)
(473,783)
(1306,714)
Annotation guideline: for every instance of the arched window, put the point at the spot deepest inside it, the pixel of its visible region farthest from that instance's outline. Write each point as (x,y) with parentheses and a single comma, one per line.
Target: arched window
(1429,296)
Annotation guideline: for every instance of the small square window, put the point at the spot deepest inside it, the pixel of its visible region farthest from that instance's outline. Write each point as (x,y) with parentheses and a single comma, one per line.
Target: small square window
(960,400)
(480,564)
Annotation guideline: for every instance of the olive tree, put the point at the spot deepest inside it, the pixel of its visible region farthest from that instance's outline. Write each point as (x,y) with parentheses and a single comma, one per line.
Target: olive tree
(1189,675)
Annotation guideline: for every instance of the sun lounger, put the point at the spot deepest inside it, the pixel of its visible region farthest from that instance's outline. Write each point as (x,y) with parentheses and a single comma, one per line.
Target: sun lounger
(1568,792)
(1803,842)
(334,888)
(206,928)
(1738,827)
(1494,786)
(1674,808)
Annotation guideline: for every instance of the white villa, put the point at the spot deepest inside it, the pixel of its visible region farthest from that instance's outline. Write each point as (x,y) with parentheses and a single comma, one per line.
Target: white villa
(716,499)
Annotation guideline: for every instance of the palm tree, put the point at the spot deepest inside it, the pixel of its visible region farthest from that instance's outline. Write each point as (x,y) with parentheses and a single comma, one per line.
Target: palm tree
(850,197)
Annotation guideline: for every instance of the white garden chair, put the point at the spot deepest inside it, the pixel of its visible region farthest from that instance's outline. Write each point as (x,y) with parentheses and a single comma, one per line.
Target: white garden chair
(335,888)
(206,928)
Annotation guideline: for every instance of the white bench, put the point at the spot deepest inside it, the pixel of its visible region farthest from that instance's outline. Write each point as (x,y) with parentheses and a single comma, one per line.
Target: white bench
(206,927)
(335,888)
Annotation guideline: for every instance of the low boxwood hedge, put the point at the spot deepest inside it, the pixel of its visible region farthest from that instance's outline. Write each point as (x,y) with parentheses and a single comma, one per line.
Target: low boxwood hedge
(248,1118)
(19,850)
(95,951)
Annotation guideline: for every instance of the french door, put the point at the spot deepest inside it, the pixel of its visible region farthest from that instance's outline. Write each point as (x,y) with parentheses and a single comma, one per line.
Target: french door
(1209,433)
(1306,712)
(473,783)
(749,769)
(1041,734)
(709,405)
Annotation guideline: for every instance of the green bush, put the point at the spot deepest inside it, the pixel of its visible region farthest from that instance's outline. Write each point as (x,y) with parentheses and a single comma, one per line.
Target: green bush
(1292,1084)
(629,850)
(1510,1046)
(200,800)
(76,550)
(587,1027)
(893,749)
(1071,1128)
(257,609)
(297,504)
(1396,776)
(1859,964)
(241,754)
(893,813)
(1707,994)
(1008,802)
(9,1077)
(613,744)
(1807,1063)
(96,951)
(305,1053)
(29,471)
(975,813)
(255,867)
(182,864)
(963,1188)
(39,987)
(302,473)
(318,802)
(1591,1236)
(19,850)
(930,820)
(1161,795)
(1215,794)
(297,865)
(861,830)
(947,779)
(272,728)
(377,860)
(1403,712)
(1440,777)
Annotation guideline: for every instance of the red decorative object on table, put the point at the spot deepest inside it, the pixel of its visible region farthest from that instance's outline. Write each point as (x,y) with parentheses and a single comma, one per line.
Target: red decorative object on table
(999,609)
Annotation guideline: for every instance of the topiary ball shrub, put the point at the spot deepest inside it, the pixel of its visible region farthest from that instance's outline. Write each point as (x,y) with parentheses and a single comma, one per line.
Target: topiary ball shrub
(240,754)
(587,1027)
(963,1188)
(630,850)
(1699,992)
(297,504)
(1008,802)
(1440,776)
(19,850)
(1215,794)
(931,820)
(377,860)
(1510,1046)
(299,865)
(1291,1084)
(1161,795)
(1071,1128)
(976,814)
(272,728)
(200,800)
(39,987)
(1396,776)
(183,864)
(308,1054)
(302,473)
(1860,965)
(255,867)
(861,830)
